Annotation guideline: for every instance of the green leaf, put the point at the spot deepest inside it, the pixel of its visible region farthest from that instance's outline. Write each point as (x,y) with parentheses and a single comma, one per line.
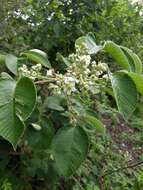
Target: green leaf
(2,59)
(133,59)
(69,148)
(138,63)
(94,123)
(11,126)
(25,97)
(38,56)
(138,80)
(41,139)
(128,54)
(54,102)
(61,58)
(88,43)
(116,52)
(125,93)
(11,63)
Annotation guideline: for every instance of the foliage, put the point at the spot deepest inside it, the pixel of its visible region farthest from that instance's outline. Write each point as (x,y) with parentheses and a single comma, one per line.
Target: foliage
(55,25)
(56,122)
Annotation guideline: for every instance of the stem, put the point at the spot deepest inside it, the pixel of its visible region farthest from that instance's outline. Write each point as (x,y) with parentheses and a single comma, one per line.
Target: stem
(123,168)
(45,81)
(78,182)
(41,81)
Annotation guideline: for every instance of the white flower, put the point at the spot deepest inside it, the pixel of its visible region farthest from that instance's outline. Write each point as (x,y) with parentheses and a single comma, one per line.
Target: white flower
(58,82)
(70,79)
(105,76)
(93,63)
(50,72)
(98,73)
(88,59)
(103,66)
(87,71)
(37,67)
(51,157)
(36,126)
(85,59)
(34,73)
(24,67)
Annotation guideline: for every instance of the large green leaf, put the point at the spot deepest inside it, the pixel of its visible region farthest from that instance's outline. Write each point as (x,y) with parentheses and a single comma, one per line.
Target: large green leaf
(133,59)
(25,97)
(125,93)
(11,125)
(138,63)
(41,139)
(138,80)
(88,43)
(11,63)
(38,56)
(129,54)
(116,52)
(69,148)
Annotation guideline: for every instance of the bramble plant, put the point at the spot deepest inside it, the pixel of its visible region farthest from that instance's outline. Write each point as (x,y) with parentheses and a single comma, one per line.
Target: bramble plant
(55,110)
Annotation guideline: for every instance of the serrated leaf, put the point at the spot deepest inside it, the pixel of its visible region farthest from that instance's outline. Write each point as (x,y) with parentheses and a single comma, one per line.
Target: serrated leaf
(116,52)
(88,43)
(69,149)
(38,56)
(125,93)
(11,126)
(11,63)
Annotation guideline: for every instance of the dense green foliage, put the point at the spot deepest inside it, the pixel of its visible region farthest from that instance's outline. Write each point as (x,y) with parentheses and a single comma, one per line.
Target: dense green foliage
(55,25)
(70,109)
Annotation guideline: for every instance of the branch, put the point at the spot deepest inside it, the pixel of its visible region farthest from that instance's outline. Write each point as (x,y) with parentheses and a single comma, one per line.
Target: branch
(123,168)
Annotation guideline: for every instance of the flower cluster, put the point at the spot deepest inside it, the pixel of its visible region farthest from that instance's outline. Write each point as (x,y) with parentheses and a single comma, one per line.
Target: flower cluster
(33,73)
(83,75)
